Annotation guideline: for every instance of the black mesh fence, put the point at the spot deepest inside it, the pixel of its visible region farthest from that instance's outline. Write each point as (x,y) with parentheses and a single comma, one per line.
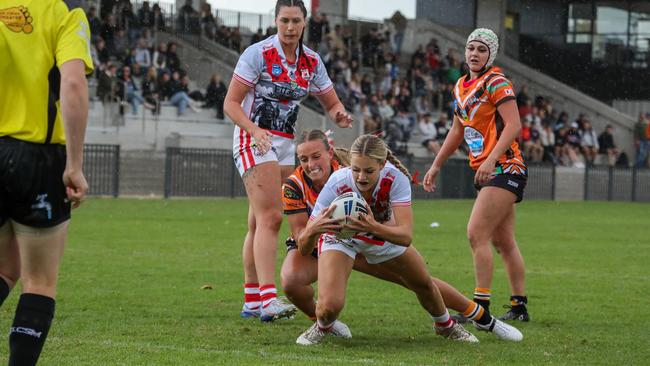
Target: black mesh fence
(201,172)
(211,172)
(102,169)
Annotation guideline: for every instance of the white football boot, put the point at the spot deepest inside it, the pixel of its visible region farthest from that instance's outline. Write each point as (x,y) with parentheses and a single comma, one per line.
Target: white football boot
(277,309)
(457,333)
(501,330)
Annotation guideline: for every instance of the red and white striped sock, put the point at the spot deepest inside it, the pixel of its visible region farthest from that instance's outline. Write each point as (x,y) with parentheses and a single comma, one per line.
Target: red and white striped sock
(444,320)
(252,296)
(268,293)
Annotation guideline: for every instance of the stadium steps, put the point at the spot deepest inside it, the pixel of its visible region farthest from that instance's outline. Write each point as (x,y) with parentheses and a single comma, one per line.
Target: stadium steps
(146,131)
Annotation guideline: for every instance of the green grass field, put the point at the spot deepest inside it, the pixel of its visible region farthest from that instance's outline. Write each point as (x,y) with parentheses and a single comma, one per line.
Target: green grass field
(130,291)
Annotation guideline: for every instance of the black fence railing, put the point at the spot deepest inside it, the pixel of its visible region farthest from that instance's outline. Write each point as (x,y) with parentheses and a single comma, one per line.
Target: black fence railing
(102,169)
(201,172)
(617,184)
(211,172)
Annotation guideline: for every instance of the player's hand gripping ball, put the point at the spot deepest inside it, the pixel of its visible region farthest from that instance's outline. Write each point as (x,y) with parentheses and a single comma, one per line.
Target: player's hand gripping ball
(348,204)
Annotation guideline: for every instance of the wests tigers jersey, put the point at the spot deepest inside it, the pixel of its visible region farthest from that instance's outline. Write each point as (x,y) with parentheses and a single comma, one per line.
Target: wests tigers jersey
(298,193)
(475,104)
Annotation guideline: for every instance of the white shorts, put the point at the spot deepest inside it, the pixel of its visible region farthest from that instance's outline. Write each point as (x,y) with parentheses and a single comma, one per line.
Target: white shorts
(246,156)
(375,251)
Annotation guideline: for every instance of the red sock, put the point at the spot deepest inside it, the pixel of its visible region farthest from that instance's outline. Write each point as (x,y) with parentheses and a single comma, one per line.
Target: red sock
(268,293)
(252,296)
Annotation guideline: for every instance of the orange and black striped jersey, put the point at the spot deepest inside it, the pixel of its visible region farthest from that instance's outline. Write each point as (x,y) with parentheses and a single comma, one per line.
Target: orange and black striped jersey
(475,105)
(298,193)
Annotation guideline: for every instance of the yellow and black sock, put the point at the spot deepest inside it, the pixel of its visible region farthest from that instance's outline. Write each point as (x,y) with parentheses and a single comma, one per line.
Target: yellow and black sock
(482,297)
(477,313)
(518,303)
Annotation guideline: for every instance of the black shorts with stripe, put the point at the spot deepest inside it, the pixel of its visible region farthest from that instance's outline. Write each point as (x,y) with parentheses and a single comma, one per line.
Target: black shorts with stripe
(515,183)
(292,245)
(32,192)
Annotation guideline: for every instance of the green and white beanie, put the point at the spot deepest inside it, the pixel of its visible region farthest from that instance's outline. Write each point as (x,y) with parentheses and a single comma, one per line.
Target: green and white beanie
(488,38)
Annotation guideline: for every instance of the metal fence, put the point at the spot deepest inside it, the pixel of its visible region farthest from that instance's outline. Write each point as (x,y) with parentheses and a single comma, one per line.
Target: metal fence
(617,184)
(102,169)
(201,172)
(211,172)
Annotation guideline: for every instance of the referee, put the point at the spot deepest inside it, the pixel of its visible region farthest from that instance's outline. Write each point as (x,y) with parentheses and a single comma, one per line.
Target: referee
(44,56)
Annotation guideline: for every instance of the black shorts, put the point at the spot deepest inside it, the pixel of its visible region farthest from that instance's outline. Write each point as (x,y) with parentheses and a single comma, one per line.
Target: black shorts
(31,183)
(515,183)
(292,245)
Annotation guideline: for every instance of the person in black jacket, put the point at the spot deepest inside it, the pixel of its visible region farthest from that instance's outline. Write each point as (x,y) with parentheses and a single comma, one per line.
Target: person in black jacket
(215,94)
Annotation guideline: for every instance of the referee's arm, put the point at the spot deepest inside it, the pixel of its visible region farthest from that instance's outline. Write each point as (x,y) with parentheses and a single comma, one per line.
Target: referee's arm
(74,110)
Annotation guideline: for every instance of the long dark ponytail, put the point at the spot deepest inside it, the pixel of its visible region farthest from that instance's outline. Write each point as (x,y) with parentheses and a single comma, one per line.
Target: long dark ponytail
(299,3)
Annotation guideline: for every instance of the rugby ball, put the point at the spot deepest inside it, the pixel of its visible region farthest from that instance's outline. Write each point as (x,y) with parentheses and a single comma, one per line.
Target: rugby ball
(348,204)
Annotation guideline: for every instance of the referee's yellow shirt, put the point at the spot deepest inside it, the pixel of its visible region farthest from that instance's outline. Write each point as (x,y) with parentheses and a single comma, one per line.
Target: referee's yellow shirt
(37,37)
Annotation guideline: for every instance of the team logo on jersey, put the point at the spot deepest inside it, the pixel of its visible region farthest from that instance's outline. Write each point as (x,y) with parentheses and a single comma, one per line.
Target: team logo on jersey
(305,74)
(474,140)
(508,92)
(17,19)
(276,70)
(291,194)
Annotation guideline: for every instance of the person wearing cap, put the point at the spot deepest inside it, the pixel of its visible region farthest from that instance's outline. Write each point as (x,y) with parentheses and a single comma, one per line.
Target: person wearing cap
(486,116)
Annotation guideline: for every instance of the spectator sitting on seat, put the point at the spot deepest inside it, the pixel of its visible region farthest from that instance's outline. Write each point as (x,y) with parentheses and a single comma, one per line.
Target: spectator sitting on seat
(159,59)
(235,39)
(103,53)
(589,142)
(173,62)
(149,39)
(215,94)
(142,55)
(149,88)
(257,37)
(562,121)
(131,93)
(164,86)
(442,128)
(386,111)
(607,145)
(121,44)
(529,141)
(180,94)
(107,84)
(405,123)
(573,145)
(429,133)
(547,139)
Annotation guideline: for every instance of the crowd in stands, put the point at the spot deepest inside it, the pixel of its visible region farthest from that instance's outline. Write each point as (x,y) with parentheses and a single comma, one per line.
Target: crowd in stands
(405,99)
(411,101)
(134,69)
